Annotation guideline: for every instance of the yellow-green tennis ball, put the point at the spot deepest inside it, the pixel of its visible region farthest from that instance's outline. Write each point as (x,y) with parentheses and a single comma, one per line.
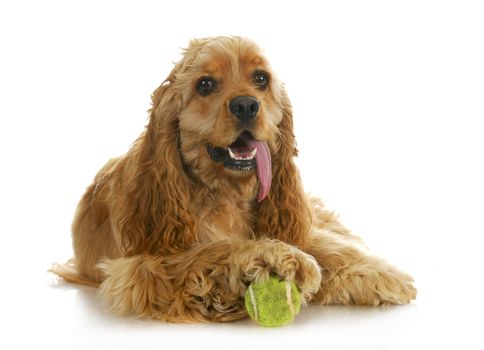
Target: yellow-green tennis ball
(273,302)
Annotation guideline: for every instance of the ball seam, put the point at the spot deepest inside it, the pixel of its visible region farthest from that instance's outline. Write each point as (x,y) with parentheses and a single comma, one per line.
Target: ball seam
(253,302)
(289,299)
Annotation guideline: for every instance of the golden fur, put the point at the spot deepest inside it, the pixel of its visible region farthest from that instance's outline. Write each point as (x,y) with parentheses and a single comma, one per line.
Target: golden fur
(167,233)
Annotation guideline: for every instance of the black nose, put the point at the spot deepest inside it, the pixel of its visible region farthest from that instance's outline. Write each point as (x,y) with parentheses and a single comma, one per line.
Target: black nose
(244,108)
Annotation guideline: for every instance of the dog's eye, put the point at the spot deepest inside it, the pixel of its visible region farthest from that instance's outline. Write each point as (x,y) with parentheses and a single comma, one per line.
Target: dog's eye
(206,85)
(261,79)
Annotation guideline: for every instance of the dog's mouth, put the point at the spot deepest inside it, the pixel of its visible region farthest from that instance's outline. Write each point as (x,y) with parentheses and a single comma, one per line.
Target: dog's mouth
(246,154)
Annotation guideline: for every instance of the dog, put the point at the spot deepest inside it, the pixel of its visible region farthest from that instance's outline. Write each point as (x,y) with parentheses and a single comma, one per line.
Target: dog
(208,199)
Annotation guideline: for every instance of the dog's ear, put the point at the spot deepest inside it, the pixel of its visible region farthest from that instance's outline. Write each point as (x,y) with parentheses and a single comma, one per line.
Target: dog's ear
(158,210)
(285,213)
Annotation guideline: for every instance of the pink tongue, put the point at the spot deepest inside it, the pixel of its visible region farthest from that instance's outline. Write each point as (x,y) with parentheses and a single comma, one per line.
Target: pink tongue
(264,166)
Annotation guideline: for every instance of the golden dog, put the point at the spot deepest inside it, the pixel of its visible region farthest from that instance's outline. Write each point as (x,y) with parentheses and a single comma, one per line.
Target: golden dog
(208,199)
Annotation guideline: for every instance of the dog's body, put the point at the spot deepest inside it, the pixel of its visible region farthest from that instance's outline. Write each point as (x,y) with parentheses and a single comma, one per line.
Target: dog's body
(208,199)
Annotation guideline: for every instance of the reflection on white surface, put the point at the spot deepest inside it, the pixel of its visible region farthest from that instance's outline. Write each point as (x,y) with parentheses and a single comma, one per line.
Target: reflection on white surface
(332,326)
(70,315)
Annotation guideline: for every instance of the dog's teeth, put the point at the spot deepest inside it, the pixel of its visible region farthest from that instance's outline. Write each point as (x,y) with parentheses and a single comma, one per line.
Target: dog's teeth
(236,157)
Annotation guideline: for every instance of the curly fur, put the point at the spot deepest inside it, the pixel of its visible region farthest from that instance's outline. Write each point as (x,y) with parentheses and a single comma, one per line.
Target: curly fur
(167,233)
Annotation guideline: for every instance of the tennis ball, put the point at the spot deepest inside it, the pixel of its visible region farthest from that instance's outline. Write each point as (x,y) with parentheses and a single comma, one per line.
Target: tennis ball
(273,302)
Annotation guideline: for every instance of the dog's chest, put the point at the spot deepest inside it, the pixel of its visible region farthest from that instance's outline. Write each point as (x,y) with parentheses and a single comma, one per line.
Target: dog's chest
(224,219)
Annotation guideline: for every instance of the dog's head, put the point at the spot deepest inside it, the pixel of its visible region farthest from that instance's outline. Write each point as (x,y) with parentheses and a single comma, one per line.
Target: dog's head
(229,109)
(222,119)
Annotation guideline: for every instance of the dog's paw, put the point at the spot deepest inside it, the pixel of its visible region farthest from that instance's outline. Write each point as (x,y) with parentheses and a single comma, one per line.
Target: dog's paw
(308,275)
(395,287)
(292,264)
(296,266)
(375,283)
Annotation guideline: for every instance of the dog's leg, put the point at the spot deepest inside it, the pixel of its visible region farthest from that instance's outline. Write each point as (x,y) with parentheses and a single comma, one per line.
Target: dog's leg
(206,283)
(352,276)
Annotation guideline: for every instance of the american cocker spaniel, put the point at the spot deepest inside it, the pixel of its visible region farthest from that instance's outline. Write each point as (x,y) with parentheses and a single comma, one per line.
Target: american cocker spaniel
(208,199)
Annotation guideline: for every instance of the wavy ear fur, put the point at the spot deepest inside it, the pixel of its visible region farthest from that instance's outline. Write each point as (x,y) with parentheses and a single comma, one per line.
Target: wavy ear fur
(284,214)
(158,217)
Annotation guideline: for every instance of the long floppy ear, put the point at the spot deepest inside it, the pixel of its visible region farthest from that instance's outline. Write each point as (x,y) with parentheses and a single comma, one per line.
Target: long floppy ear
(285,213)
(158,215)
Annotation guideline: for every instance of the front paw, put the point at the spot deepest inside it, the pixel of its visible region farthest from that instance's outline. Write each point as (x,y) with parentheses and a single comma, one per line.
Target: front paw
(292,264)
(301,268)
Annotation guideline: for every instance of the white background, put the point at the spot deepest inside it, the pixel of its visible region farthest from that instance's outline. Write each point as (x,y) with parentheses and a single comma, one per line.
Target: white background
(388,100)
